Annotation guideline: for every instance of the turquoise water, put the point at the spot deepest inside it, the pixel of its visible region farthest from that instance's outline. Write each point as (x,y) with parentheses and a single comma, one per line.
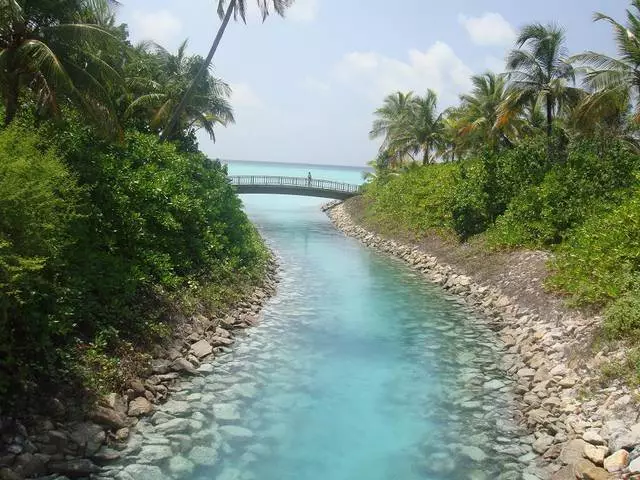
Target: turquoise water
(358,370)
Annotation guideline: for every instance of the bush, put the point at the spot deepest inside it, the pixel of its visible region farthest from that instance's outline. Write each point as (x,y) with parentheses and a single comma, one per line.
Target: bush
(38,204)
(470,201)
(594,177)
(416,200)
(600,260)
(622,317)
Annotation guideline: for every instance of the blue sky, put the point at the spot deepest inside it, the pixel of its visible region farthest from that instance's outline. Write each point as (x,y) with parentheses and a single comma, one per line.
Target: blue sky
(305,86)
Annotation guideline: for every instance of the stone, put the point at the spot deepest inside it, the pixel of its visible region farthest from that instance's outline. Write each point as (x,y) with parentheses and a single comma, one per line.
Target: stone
(122,434)
(74,468)
(155,453)
(106,455)
(201,349)
(30,465)
(474,453)
(526,373)
(494,384)
(180,466)
(626,439)
(236,432)
(183,365)
(140,406)
(144,472)
(177,407)
(617,461)
(595,453)
(89,437)
(203,455)
(572,452)
(440,464)
(161,366)
(226,412)
(542,444)
(634,466)
(109,417)
(177,425)
(592,437)
(137,386)
(585,470)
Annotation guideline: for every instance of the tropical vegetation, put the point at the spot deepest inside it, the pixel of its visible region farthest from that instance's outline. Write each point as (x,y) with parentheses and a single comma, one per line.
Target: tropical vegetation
(545,154)
(113,224)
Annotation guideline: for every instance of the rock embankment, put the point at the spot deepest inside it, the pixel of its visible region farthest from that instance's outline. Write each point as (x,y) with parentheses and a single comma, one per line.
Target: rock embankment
(55,448)
(578,433)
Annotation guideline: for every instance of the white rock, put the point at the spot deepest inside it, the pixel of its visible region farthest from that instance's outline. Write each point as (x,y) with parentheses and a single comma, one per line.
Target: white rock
(201,349)
(180,466)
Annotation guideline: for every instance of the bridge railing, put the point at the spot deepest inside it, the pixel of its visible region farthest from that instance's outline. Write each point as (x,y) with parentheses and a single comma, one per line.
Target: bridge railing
(301,182)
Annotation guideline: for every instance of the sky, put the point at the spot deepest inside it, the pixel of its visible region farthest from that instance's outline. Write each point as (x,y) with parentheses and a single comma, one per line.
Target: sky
(305,87)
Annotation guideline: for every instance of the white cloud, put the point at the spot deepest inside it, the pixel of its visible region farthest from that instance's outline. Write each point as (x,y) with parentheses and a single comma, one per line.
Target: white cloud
(488,29)
(303,10)
(243,95)
(162,26)
(377,75)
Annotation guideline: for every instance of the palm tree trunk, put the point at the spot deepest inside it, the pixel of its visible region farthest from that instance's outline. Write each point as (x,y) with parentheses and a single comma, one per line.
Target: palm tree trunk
(11,100)
(425,157)
(549,128)
(175,116)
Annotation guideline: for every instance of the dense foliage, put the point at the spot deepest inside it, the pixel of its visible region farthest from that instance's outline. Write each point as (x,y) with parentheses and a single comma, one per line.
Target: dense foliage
(106,230)
(530,158)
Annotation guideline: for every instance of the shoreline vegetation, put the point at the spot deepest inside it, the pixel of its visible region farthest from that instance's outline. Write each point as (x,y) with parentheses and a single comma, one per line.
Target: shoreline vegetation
(120,241)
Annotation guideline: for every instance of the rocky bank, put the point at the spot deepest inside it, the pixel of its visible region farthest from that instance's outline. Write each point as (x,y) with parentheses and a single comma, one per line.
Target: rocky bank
(577,432)
(53,447)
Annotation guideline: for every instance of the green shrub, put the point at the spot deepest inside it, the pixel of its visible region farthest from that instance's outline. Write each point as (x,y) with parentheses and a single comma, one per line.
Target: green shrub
(470,209)
(600,260)
(594,177)
(416,200)
(38,202)
(622,317)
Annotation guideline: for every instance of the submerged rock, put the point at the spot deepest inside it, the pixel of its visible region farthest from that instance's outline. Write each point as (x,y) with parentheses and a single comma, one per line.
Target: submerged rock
(203,455)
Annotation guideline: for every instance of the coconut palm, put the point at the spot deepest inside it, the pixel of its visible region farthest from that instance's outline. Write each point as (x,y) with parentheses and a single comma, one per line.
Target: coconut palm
(614,82)
(540,74)
(479,114)
(389,116)
(53,50)
(419,130)
(161,79)
(237,9)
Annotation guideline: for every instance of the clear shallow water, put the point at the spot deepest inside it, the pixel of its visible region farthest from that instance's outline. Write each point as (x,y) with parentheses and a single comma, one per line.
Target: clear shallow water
(358,370)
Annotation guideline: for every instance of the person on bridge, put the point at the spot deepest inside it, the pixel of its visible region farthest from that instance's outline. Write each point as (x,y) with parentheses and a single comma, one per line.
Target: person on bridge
(309,179)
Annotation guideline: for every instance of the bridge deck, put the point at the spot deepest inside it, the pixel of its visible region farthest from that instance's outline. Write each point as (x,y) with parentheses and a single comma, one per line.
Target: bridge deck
(293,186)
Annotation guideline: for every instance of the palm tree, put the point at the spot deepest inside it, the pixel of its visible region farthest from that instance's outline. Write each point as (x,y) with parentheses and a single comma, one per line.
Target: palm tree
(161,81)
(394,108)
(613,82)
(479,116)
(53,50)
(420,129)
(540,73)
(238,9)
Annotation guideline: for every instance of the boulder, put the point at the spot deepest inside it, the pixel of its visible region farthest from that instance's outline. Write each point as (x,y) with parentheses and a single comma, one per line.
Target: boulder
(8,474)
(595,453)
(542,444)
(143,472)
(155,453)
(203,455)
(89,437)
(626,439)
(592,437)
(74,468)
(474,453)
(616,462)
(137,386)
(585,470)
(161,366)
(180,466)
(226,412)
(236,432)
(140,406)
(201,349)
(572,452)
(634,466)
(181,364)
(177,425)
(109,417)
